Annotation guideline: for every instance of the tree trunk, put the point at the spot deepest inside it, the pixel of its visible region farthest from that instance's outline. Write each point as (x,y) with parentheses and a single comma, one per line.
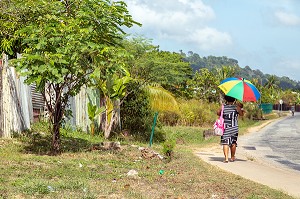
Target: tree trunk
(108,125)
(55,140)
(103,115)
(117,124)
(92,128)
(56,122)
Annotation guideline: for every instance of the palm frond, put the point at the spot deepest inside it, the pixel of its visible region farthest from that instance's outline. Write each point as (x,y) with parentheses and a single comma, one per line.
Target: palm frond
(161,99)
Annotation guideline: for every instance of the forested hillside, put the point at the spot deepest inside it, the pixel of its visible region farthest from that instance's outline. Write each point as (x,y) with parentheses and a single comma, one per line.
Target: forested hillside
(211,62)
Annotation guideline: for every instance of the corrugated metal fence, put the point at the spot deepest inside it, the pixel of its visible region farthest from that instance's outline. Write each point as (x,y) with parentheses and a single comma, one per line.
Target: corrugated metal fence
(1,99)
(20,104)
(15,106)
(78,106)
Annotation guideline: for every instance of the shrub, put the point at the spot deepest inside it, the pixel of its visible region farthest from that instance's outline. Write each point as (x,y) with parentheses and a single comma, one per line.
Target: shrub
(137,116)
(197,113)
(252,111)
(169,118)
(168,148)
(192,113)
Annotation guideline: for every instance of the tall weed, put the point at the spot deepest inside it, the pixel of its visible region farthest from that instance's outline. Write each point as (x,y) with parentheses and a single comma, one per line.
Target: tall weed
(192,113)
(253,111)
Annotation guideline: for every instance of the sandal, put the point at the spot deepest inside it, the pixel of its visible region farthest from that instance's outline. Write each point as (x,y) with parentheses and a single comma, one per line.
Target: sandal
(225,161)
(232,159)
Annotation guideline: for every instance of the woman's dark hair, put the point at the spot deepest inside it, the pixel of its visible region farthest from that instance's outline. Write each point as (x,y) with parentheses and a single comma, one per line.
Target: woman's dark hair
(229,99)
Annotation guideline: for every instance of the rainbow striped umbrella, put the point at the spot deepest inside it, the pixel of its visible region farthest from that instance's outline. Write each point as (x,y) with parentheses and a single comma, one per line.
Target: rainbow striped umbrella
(240,89)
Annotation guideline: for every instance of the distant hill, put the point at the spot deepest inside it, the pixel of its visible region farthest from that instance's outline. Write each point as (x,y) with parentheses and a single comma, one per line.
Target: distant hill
(211,62)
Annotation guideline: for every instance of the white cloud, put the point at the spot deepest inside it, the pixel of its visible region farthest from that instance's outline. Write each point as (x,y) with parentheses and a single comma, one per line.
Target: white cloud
(209,38)
(169,12)
(288,67)
(288,19)
(184,21)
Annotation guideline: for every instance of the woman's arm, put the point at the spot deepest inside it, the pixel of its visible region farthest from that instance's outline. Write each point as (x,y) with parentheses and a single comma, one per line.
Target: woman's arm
(219,112)
(239,108)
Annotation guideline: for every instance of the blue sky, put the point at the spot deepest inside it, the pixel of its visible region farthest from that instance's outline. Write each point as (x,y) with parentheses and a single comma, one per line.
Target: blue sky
(263,34)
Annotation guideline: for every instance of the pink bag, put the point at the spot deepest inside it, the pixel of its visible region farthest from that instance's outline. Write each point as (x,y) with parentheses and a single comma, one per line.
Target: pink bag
(219,126)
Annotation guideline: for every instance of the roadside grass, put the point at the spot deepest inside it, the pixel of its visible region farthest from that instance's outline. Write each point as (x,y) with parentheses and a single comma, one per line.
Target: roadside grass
(27,171)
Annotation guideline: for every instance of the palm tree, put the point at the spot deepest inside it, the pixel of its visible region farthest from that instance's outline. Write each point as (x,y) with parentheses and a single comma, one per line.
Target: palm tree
(160,100)
(271,87)
(272,82)
(225,72)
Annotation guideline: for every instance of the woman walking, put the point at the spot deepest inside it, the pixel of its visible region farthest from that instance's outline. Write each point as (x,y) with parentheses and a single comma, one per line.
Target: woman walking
(230,114)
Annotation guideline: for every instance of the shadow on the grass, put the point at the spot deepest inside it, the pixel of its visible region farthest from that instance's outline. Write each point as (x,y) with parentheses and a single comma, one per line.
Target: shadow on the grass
(41,144)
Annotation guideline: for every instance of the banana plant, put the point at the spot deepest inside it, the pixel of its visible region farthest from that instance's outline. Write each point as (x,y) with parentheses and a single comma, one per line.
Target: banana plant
(113,89)
(93,112)
(116,90)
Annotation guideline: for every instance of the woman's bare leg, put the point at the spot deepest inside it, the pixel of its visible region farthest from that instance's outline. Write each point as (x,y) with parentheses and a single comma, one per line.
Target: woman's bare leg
(232,151)
(226,150)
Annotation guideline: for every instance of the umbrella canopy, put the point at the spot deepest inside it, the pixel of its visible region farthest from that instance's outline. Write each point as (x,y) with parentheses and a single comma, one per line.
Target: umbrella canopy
(240,89)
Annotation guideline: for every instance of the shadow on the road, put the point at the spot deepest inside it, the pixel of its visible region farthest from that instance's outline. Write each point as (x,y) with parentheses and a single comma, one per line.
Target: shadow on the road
(273,156)
(284,162)
(289,164)
(220,159)
(252,148)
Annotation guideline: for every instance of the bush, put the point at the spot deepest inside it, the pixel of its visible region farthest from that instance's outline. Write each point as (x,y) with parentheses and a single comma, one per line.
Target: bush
(252,111)
(137,116)
(168,148)
(169,118)
(192,113)
(197,113)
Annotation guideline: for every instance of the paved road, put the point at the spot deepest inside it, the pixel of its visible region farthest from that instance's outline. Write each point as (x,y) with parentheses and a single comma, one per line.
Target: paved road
(268,155)
(277,143)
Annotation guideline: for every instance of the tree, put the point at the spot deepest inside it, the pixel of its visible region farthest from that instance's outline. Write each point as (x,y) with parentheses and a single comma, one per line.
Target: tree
(272,82)
(289,97)
(270,91)
(146,93)
(64,45)
(167,69)
(11,20)
(138,47)
(257,83)
(204,85)
(112,83)
(150,65)
(225,72)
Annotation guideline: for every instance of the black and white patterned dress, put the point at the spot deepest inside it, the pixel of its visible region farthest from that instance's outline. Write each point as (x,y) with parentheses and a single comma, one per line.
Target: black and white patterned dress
(230,116)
